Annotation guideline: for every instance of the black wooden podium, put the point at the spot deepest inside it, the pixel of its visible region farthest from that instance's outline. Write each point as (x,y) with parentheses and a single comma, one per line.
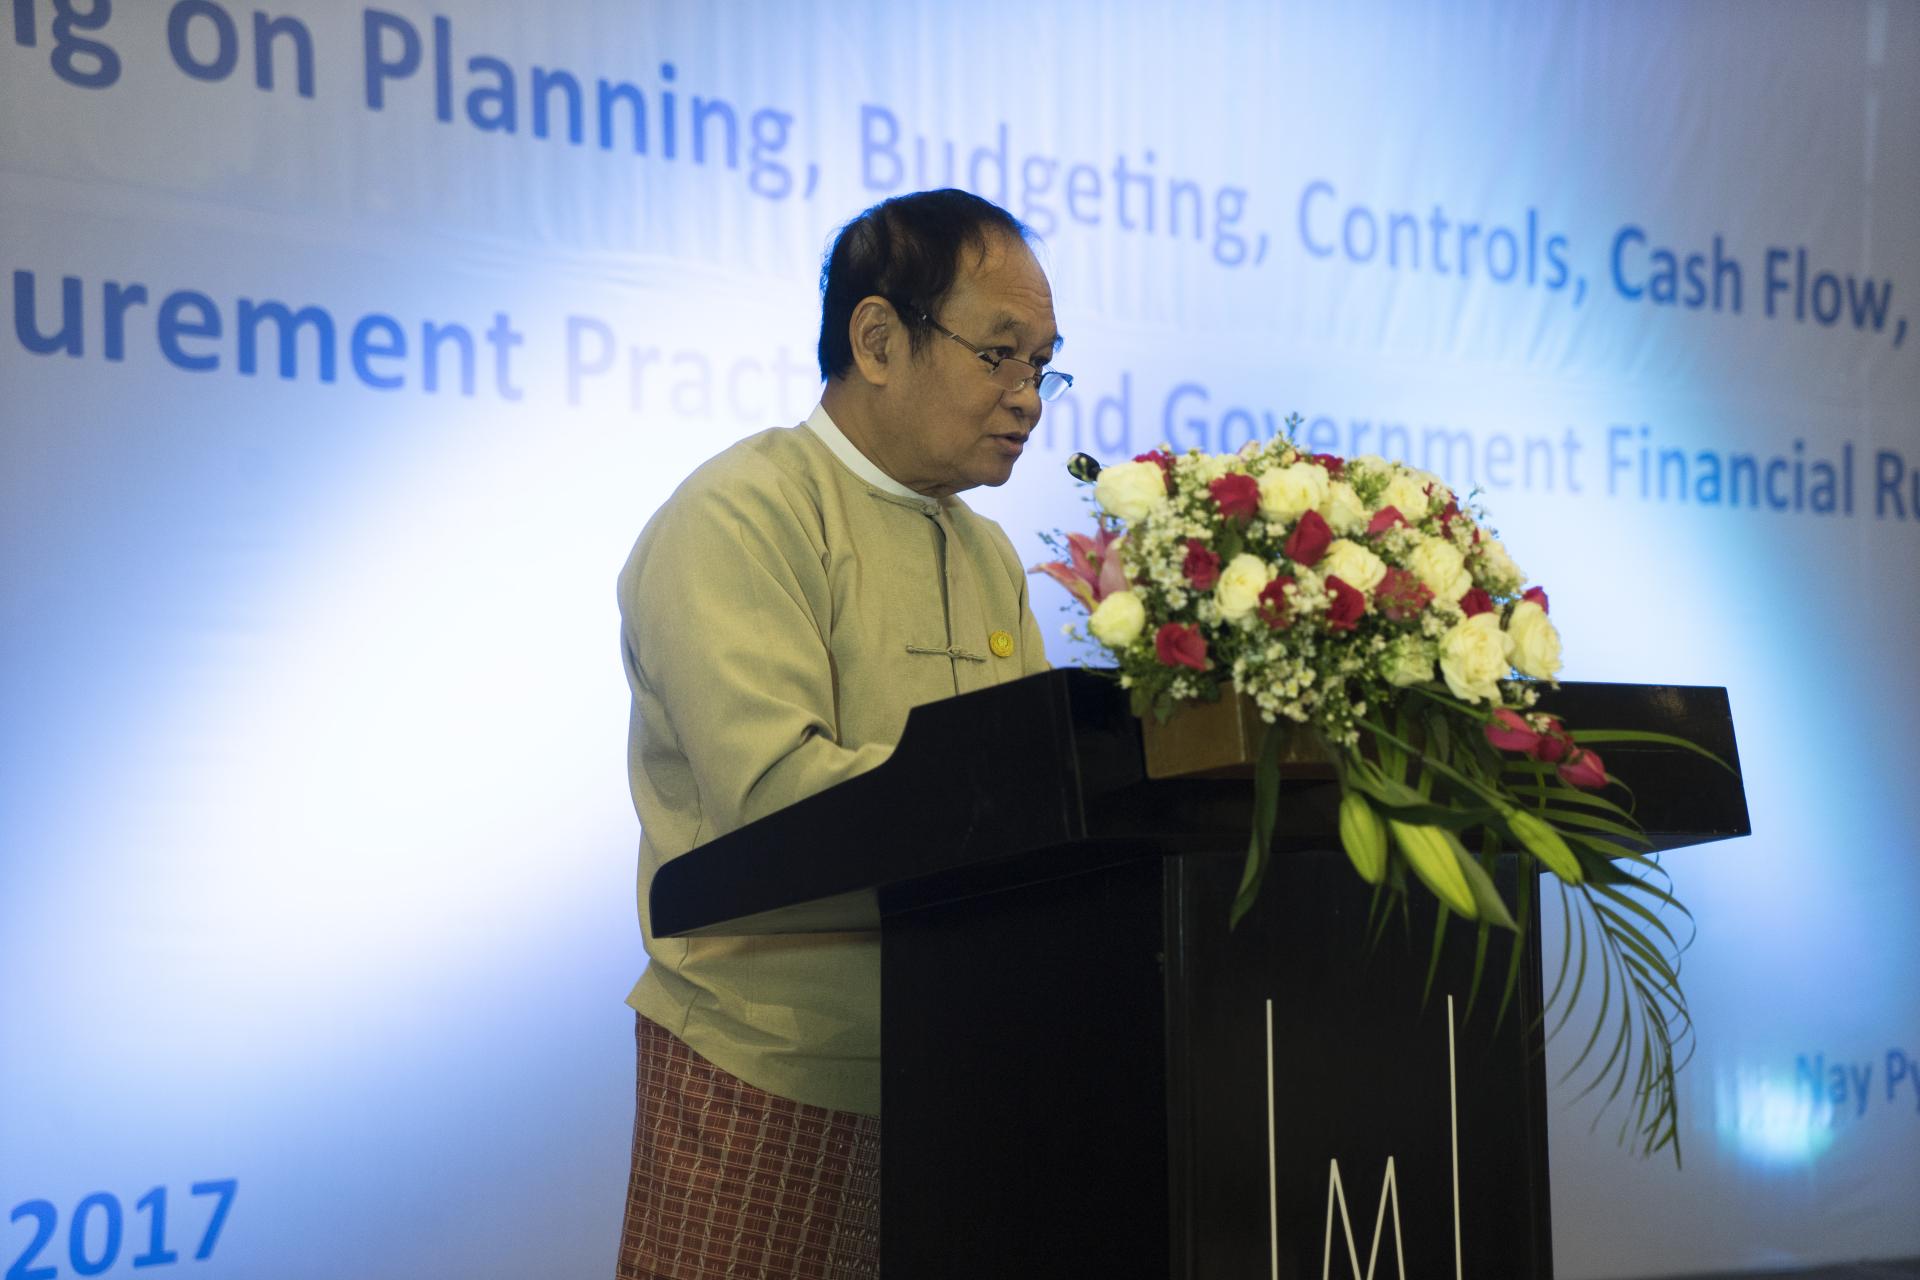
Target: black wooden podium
(1086,1074)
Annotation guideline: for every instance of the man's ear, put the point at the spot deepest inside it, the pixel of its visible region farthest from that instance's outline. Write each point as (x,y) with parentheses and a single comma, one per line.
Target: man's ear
(879,339)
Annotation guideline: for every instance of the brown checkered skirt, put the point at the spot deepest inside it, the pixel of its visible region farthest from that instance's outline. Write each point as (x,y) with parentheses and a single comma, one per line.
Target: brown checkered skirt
(731,1181)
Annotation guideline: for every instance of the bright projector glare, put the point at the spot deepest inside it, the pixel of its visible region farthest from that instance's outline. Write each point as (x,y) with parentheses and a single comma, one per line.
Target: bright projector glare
(1770,1121)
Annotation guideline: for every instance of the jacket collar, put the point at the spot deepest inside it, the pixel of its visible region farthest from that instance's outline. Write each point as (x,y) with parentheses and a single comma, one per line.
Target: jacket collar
(857,462)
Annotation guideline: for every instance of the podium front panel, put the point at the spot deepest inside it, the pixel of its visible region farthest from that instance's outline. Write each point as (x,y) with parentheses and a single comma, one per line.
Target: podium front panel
(1093,1076)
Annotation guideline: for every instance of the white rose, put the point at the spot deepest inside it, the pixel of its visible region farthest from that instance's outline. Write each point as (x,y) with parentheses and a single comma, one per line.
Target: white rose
(1497,569)
(1473,658)
(1240,585)
(1130,490)
(1353,564)
(1439,564)
(1116,622)
(1286,493)
(1409,662)
(1343,509)
(1405,494)
(1536,644)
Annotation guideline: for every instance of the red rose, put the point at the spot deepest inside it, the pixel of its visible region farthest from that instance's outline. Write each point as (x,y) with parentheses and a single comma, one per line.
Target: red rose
(1476,602)
(1201,567)
(1538,595)
(1401,596)
(1583,769)
(1237,496)
(1274,608)
(1309,539)
(1448,514)
(1179,645)
(1344,610)
(1383,520)
(1333,465)
(1160,458)
(1509,731)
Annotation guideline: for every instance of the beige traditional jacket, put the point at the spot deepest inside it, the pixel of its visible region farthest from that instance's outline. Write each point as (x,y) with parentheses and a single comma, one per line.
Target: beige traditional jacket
(781,614)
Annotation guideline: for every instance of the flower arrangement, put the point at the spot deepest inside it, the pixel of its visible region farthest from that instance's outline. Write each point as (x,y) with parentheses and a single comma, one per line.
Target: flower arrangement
(1361,599)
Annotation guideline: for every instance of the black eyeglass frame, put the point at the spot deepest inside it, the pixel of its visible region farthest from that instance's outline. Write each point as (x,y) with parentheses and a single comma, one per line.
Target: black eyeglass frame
(1048,384)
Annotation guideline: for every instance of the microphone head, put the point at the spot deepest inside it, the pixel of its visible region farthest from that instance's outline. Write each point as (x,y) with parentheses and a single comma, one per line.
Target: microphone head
(1084,468)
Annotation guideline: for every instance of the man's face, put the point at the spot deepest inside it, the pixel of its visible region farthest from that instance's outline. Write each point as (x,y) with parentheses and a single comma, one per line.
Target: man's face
(956,428)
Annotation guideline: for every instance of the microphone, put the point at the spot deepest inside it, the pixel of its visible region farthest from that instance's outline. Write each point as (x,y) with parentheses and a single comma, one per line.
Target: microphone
(1084,468)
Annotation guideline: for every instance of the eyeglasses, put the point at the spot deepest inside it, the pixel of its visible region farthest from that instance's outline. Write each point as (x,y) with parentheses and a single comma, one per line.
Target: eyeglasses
(1006,371)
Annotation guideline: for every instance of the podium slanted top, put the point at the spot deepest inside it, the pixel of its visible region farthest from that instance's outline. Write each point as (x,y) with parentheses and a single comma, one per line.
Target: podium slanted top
(1043,777)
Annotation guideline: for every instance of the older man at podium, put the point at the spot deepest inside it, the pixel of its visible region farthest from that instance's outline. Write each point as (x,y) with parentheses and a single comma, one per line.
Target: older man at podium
(782,612)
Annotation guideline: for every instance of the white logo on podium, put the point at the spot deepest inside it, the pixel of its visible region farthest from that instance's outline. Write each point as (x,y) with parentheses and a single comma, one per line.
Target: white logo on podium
(1337,1193)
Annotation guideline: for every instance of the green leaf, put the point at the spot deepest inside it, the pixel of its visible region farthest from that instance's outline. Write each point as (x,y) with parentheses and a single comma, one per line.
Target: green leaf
(1437,692)
(1627,936)
(1587,737)
(1485,792)
(1597,857)
(1651,1012)
(1417,811)
(1368,777)
(1492,908)
(1266,804)
(1564,795)
(1439,733)
(1480,939)
(1433,956)
(1517,949)
(1599,1021)
(1640,909)
(1573,817)
(1529,768)
(1572,924)
(1538,838)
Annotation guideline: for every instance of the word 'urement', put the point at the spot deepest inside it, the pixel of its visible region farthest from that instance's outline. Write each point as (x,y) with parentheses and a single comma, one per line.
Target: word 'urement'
(294,342)
(194,332)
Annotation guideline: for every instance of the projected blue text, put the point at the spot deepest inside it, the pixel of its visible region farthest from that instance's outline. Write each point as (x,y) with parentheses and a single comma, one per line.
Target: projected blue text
(98,1228)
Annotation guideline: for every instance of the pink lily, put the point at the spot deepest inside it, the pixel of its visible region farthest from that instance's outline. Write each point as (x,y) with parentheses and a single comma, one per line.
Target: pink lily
(1583,769)
(1509,731)
(1095,571)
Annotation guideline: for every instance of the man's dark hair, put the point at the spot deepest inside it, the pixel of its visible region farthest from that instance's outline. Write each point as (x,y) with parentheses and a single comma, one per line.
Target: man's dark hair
(906,250)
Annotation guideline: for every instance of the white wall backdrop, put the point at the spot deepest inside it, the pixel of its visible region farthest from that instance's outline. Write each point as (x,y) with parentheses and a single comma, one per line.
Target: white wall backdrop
(341,359)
